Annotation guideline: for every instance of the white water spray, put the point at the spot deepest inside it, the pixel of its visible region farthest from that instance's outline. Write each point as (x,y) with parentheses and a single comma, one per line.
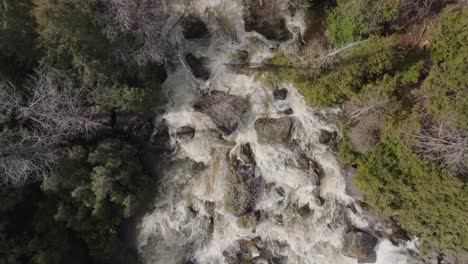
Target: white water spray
(190,221)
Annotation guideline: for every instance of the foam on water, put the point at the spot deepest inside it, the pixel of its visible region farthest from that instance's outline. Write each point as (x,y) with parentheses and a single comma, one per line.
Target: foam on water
(190,221)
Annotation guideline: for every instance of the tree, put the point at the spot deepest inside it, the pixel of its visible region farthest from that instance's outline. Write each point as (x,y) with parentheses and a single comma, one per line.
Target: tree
(38,125)
(18,40)
(139,25)
(96,188)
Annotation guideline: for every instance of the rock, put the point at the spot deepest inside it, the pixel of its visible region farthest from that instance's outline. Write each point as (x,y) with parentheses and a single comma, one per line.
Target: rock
(304,211)
(364,136)
(351,188)
(198,66)
(242,192)
(461,260)
(386,228)
(194,28)
(225,110)
(161,133)
(240,56)
(274,130)
(254,251)
(264,18)
(327,137)
(314,169)
(185,133)
(288,111)
(360,245)
(280,94)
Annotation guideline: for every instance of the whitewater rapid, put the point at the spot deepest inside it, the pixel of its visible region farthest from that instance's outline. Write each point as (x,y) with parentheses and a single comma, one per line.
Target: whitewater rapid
(190,222)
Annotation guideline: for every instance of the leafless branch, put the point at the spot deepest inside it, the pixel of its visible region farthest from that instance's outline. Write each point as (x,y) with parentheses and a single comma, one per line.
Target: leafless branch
(48,116)
(143,20)
(374,105)
(444,144)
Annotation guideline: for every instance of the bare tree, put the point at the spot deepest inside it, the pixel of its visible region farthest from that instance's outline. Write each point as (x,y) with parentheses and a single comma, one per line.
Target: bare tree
(45,120)
(443,143)
(371,106)
(143,21)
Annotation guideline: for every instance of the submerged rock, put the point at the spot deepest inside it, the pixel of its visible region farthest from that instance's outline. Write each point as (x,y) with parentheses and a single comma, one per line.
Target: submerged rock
(185,133)
(194,28)
(274,130)
(198,66)
(264,17)
(240,56)
(360,245)
(226,110)
(280,94)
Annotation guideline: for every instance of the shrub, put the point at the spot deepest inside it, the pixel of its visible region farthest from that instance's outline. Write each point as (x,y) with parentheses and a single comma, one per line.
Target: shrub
(358,19)
(449,38)
(446,93)
(363,64)
(445,87)
(427,201)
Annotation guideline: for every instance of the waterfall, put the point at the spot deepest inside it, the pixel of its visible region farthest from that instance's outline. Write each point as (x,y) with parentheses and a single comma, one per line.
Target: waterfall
(296,219)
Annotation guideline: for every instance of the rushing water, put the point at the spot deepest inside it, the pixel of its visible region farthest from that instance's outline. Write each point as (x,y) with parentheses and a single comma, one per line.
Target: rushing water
(190,221)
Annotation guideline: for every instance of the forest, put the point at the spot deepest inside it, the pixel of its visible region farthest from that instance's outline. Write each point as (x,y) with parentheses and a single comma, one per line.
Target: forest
(81,91)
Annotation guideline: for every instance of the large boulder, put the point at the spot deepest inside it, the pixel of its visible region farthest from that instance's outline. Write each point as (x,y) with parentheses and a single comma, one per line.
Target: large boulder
(198,66)
(242,191)
(274,130)
(226,110)
(264,17)
(360,245)
(194,28)
(351,188)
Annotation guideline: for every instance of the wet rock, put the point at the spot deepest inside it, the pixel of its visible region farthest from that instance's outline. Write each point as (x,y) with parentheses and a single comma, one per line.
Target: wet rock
(274,130)
(225,110)
(386,228)
(185,133)
(194,28)
(327,137)
(240,56)
(243,190)
(198,66)
(319,200)
(304,211)
(280,191)
(314,169)
(280,94)
(360,245)
(288,111)
(264,17)
(255,251)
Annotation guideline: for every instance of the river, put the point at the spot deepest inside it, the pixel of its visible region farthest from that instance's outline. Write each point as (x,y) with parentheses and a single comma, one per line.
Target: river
(296,219)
